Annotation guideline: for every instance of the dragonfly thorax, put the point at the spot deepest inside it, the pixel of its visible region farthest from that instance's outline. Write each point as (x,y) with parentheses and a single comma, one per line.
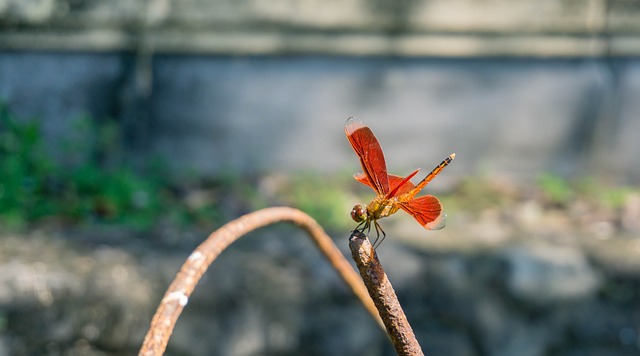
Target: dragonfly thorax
(378,208)
(381,207)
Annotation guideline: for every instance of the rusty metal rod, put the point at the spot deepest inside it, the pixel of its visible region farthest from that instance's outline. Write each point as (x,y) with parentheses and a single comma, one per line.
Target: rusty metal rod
(383,295)
(177,295)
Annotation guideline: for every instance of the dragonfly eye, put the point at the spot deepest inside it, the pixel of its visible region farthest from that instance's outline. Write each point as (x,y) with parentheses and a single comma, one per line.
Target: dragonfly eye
(358,213)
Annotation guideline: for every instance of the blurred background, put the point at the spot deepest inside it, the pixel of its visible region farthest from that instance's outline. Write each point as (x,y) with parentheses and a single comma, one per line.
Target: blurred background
(129,130)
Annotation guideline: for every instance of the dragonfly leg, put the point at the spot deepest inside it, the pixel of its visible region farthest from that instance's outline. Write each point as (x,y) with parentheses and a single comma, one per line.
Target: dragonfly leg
(362,227)
(377,243)
(366,225)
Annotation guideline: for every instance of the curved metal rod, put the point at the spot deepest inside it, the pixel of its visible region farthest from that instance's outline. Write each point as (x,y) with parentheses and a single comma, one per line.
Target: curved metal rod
(177,295)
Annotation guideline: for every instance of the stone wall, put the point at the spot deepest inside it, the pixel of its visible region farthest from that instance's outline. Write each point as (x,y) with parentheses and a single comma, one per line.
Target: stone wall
(467,290)
(513,87)
(407,28)
(257,114)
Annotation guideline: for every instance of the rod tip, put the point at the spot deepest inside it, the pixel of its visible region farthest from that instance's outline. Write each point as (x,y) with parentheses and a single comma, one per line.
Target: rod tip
(452,156)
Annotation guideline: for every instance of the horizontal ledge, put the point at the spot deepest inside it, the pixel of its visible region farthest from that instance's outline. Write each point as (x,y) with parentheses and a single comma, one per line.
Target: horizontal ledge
(368,44)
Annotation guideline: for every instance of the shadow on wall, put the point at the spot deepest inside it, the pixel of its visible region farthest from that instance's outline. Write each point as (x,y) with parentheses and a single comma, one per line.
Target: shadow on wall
(253,114)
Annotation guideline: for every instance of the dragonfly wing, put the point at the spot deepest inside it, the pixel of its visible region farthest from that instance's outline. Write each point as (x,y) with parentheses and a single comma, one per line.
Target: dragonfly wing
(399,185)
(362,178)
(368,149)
(427,210)
(402,185)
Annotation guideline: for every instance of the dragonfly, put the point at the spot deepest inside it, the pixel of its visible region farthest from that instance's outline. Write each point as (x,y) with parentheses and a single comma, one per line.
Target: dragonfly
(393,192)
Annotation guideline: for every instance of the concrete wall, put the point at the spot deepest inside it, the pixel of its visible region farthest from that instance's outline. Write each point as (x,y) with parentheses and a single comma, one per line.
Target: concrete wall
(513,87)
(406,28)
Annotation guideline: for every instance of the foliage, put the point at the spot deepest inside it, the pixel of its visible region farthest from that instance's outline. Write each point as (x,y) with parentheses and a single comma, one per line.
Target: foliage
(611,197)
(320,197)
(34,185)
(475,194)
(23,171)
(90,180)
(560,191)
(556,189)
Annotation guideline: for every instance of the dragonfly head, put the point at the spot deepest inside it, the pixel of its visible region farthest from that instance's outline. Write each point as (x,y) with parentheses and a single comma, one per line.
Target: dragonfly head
(359,213)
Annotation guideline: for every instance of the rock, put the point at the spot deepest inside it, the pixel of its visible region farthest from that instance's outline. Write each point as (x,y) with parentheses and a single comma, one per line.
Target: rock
(631,213)
(439,342)
(35,285)
(57,295)
(545,274)
(274,294)
(31,11)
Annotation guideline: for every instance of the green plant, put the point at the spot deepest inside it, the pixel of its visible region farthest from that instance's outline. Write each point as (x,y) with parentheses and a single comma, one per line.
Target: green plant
(556,189)
(610,197)
(24,171)
(92,183)
(320,197)
(474,194)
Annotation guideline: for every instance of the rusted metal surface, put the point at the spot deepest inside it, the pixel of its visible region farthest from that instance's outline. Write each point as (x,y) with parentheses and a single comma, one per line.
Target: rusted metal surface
(383,295)
(177,295)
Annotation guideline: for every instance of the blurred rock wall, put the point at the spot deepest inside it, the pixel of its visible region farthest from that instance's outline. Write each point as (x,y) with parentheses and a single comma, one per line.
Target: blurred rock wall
(419,27)
(94,292)
(513,87)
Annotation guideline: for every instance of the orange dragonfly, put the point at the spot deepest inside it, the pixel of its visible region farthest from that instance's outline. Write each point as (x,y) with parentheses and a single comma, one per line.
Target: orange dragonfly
(393,192)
